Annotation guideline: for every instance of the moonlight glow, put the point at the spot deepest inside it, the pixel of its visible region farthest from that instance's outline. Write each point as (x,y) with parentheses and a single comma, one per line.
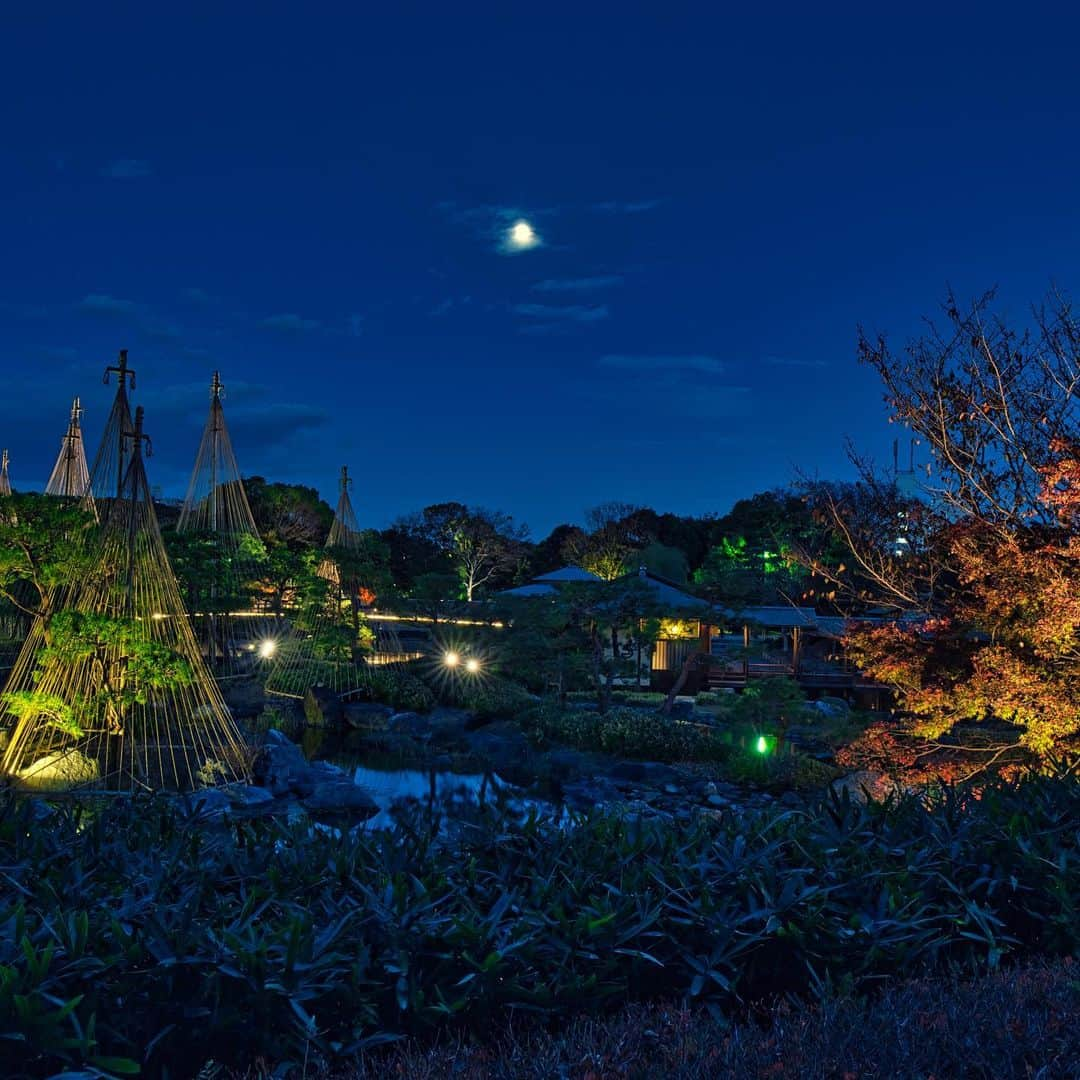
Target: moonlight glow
(521,236)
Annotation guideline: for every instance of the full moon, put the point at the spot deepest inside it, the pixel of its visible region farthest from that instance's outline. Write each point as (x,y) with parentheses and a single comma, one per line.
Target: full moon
(522,236)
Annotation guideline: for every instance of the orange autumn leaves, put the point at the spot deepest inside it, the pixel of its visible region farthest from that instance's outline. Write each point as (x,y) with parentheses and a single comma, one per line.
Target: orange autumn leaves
(1007,647)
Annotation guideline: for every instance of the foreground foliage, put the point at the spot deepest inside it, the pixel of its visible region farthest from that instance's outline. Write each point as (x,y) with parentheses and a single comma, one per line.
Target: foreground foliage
(132,934)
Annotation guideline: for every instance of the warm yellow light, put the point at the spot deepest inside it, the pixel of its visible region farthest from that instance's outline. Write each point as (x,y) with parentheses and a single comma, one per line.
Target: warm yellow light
(451,659)
(267,648)
(472,665)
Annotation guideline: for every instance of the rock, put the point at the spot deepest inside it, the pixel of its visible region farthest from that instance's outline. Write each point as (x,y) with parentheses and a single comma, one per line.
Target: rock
(716,800)
(412,724)
(653,773)
(857,784)
(323,708)
(451,724)
(710,788)
(59,771)
(585,794)
(671,789)
(279,764)
(337,797)
(504,748)
(210,803)
(565,764)
(247,796)
(366,715)
(245,696)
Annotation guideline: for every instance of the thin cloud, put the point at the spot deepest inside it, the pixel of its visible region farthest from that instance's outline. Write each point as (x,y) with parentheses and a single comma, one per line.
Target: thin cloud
(284,418)
(582,284)
(290,323)
(794,361)
(126,169)
(665,362)
(575,313)
(639,206)
(102,304)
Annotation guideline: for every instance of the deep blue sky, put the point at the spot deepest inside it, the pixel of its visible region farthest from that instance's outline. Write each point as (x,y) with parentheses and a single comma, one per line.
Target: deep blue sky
(310,199)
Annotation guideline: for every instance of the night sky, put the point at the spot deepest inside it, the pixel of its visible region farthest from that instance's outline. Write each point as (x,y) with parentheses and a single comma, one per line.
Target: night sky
(318,202)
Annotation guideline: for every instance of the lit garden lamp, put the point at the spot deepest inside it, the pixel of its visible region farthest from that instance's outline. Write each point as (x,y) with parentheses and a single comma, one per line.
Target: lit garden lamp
(472,666)
(451,659)
(266,648)
(762,745)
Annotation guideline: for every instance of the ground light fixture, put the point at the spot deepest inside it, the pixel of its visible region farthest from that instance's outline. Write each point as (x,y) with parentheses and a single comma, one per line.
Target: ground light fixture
(472,665)
(762,745)
(451,659)
(266,648)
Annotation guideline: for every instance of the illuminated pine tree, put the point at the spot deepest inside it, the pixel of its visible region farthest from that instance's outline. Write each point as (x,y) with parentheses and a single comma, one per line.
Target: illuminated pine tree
(113,691)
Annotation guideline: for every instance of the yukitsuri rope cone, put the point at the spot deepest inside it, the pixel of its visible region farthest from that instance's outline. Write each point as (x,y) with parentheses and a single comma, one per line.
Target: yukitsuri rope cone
(321,651)
(114,692)
(221,533)
(70,477)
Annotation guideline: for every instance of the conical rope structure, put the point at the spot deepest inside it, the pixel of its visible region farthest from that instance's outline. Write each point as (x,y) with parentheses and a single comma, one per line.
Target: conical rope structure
(219,536)
(70,477)
(113,692)
(323,651)
(5,480)
(112,458)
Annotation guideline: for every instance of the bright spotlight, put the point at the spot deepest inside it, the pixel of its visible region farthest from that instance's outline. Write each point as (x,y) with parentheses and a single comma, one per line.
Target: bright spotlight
(451,659)
(762,745)
(267,648)
(472,665)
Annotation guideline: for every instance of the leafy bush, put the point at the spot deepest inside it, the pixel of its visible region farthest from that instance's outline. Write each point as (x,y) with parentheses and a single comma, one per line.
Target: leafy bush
(130,931)
(767,701)
(491,697)
(626,732)
(399,689)
(784,772)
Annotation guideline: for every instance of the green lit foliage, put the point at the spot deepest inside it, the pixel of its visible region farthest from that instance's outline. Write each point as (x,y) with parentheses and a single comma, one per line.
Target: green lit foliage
(767,702)
(43,547)
(122,667)
(216,576)
(752,560)
(28,704)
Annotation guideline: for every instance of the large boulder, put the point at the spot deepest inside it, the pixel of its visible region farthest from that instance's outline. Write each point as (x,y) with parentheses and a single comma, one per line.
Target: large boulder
(366,715)
(340,797)
(280,764)
(248,796)
(211,804)
(449,725)
(410,723)
(323,707)
(60,771)
(502,746)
